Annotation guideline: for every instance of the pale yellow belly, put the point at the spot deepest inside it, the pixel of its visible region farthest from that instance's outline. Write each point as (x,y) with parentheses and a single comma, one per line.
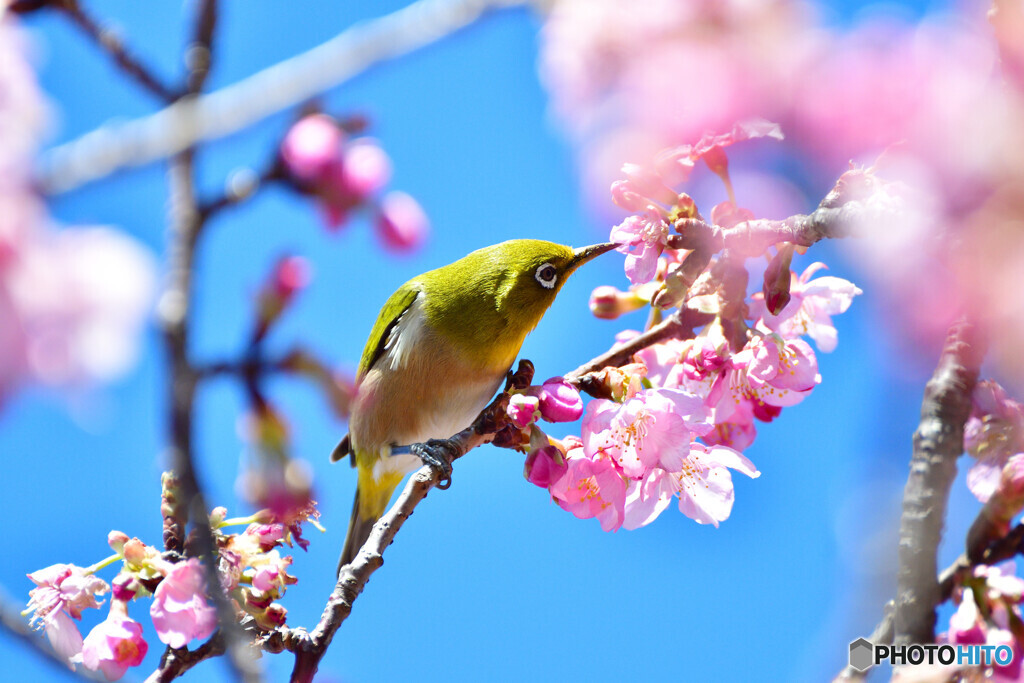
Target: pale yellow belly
(431,394)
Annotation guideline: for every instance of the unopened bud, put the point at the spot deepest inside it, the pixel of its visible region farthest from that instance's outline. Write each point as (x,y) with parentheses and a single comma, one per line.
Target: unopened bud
(544,466)
(626,196)
(116,541)
(777,279)
(608,303)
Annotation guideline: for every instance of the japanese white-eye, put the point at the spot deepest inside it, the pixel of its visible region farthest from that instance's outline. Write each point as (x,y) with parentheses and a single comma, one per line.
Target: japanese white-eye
(438,352)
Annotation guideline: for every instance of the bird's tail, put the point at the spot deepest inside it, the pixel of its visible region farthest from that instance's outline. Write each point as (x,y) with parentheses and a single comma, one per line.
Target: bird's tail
(359,528)
(372,496)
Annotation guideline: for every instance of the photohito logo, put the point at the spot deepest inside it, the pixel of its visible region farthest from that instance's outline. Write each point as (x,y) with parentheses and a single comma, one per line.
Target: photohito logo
(864,654)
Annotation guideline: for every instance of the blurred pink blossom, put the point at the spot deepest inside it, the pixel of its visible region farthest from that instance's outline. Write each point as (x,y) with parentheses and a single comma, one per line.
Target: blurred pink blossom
(181,611)
(72,301)
(311,147)
(402,224)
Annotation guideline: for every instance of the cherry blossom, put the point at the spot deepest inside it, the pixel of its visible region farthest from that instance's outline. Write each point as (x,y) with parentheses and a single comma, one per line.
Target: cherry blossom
(114,645)
(642,237)
(181,611)
(62,592)
(810,309)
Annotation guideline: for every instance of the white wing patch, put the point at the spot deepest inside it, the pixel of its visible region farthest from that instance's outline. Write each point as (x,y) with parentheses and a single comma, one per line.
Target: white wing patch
(402,337)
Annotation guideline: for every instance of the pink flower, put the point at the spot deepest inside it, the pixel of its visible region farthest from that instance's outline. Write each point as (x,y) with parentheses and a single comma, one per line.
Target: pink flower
(702,482)
(994,432)
(401,224)
(523,410)
(591,487)
(965,626)
(559,401)
(680,161)
(366,167)
(62,592)
(311,147)
(544,466)
(64,636)
(811,305)
(652,428)
(181,612)
(271,572)
(642,238)
(767,371)
(704,485)
(114,645)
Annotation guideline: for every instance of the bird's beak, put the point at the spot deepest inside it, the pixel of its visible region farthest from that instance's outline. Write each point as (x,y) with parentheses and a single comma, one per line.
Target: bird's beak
(584,254)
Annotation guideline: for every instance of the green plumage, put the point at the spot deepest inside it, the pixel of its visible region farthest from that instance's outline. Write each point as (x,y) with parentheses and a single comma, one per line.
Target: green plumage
(437,353)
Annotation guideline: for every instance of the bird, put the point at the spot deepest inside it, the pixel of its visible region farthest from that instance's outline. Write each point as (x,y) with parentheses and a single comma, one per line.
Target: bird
(439,350)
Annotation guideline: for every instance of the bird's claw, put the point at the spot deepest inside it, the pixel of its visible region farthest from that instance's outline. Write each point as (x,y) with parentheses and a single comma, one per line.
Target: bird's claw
(438,453)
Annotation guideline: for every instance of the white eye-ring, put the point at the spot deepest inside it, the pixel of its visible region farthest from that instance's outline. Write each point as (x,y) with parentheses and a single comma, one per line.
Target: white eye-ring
(546,275)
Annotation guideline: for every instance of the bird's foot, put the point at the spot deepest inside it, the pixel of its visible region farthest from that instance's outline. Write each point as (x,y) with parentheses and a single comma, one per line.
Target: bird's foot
(438,453)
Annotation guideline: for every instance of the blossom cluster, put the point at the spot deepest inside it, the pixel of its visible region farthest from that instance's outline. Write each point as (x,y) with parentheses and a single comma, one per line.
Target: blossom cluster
(251,571)
(345,174)
(994,434)
(988,600)
(677,417)
(72,301)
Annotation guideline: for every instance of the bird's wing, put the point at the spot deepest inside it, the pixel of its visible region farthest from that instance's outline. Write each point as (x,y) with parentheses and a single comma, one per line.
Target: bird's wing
(394,308)
(389,316)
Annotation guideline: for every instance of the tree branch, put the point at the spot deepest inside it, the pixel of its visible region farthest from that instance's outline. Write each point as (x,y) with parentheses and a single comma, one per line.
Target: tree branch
(679,325)
(310,647)
(847,204)
(175,663)
(938,441)
(1003,549)
(208,117)
(111,43)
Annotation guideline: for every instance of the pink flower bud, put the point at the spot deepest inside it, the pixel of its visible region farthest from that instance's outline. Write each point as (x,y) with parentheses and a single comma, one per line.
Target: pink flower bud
(402,225)
(366,168)
(124,587)
(560,401)
(626,196)
(608,303)
(135,551)
(311,147)
(717,161)
(544,466)
(116,540)
(291,274)
(523,410)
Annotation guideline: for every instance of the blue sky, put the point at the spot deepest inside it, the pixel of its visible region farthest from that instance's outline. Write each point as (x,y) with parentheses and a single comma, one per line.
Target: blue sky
(488,580)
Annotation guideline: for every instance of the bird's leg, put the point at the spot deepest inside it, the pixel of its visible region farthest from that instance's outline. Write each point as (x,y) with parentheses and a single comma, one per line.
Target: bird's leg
(438,453)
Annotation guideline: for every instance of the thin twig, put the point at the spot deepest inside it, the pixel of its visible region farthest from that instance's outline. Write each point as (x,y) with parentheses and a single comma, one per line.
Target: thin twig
(679,325)
(199,55)
(286,84)
(112,44)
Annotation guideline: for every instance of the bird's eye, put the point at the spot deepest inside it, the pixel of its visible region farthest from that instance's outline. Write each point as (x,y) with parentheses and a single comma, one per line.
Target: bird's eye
(546,275)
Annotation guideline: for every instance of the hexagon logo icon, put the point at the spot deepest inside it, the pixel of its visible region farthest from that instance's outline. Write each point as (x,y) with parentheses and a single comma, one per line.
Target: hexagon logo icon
(861,654)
